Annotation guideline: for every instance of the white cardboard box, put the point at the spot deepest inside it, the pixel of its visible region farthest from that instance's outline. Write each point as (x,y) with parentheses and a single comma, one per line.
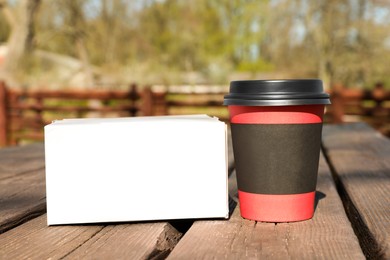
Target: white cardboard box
(134,169)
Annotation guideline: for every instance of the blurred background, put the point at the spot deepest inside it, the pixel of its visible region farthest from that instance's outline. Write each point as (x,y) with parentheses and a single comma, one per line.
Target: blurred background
(112,42)
(109,44)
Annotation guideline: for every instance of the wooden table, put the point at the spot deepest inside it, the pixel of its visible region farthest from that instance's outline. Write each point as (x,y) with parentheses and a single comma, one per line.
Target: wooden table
(351,221)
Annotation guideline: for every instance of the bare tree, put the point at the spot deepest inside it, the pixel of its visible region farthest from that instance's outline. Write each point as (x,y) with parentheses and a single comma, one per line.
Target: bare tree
(21,40)
(76,28)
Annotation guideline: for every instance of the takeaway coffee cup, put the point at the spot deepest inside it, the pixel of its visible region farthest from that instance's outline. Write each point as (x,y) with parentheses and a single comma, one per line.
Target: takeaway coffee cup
(276,130)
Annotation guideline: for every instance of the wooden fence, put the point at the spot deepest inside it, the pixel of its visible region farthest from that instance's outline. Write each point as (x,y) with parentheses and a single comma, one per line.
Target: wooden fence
(351,104)
(24,113)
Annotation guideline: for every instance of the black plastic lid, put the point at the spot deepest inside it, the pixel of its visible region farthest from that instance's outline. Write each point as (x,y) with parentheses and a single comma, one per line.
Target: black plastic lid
(276,93)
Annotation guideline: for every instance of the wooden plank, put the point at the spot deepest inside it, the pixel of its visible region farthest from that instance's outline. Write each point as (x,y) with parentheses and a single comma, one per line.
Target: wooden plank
(31,135)
(21,159)
(360,158)
(35,240)
(76,94)
(210,103)
(22,185)
(40,107)
(328,235)
(130,241)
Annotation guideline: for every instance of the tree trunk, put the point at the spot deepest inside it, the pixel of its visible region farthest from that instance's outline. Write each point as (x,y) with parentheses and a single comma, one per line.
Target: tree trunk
(325,73)
(77,22)
(21,40)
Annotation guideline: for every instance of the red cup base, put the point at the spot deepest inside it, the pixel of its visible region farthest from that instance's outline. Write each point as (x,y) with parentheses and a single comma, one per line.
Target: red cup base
(277,208)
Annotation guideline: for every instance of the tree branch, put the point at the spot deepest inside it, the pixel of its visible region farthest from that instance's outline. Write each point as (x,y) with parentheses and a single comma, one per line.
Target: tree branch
(8,14)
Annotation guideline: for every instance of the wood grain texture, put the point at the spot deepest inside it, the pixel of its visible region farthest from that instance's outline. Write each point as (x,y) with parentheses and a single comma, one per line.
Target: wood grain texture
(35,240)
(22,185)
(328,235)
(130,241)
(21,159)
(360,158)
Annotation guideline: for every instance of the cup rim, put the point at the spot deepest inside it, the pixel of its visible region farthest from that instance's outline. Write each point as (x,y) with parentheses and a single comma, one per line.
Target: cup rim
(281,92)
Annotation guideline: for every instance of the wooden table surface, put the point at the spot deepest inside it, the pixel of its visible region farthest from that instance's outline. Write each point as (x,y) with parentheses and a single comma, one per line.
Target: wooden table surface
(351,220)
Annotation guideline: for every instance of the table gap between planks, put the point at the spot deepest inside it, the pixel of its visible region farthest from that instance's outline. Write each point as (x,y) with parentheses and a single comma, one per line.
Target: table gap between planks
(351,219)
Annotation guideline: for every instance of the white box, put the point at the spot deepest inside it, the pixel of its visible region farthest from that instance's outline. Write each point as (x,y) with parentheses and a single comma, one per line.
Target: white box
(134,169)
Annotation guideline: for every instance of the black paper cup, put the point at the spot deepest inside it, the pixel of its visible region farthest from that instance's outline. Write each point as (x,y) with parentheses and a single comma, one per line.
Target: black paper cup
(276,131)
